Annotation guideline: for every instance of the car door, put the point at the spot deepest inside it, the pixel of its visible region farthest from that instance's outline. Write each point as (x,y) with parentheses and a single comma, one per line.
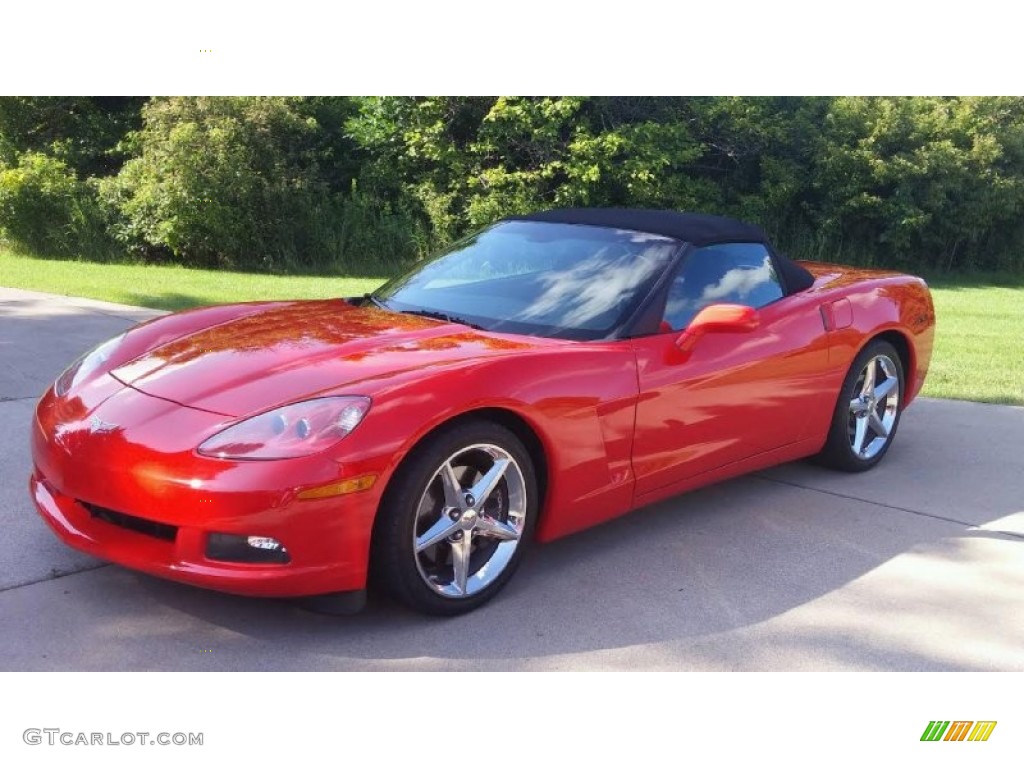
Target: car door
(734,394)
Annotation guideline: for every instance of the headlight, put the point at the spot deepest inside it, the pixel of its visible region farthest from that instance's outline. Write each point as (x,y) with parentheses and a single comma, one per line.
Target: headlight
(85,366)
(293,430)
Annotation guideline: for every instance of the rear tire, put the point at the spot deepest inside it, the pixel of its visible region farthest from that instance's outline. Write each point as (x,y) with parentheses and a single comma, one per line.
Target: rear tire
(867,411)
(456,519)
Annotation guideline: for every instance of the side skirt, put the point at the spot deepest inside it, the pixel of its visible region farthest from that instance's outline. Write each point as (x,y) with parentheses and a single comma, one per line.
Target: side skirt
(798,450)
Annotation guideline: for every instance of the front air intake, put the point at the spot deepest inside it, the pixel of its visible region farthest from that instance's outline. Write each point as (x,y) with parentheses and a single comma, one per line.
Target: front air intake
(138,524)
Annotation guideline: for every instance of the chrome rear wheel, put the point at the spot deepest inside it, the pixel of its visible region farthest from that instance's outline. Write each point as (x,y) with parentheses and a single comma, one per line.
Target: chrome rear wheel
(867,411)
(874,410)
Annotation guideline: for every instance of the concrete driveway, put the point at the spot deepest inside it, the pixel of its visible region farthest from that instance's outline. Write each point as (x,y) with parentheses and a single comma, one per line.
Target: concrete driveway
(918,564)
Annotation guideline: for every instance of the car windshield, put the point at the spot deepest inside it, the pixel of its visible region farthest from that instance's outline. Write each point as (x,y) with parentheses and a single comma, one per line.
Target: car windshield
(557,280)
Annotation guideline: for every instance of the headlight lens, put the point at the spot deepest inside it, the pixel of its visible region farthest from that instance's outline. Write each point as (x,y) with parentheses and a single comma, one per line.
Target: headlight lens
(85,366)
(299,429)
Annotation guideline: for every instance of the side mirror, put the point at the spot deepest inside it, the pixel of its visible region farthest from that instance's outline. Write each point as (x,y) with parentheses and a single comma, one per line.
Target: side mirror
(718,318)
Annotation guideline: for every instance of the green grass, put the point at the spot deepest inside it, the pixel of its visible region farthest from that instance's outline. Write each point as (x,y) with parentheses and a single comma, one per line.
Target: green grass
(977,347)
(167,287)
(979,354)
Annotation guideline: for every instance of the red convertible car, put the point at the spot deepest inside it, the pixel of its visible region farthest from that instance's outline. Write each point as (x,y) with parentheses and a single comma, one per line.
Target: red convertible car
(542,376)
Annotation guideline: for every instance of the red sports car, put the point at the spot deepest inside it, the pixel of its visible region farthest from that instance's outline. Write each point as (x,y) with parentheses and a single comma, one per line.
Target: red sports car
(544,375)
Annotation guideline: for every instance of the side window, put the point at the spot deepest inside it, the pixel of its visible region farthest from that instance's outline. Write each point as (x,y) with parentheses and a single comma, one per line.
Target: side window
(731,273)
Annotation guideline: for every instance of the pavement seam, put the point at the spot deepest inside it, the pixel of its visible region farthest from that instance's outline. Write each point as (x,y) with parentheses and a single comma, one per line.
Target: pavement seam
(108,312)
(115,314)
(882,504)
(54,578)
(5,399)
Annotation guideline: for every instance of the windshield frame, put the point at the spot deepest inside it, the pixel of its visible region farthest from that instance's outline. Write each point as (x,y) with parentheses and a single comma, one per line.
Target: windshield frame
(623,328)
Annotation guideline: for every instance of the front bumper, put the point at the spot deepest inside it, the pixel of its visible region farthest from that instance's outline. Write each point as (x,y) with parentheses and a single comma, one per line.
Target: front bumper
(183,559)
(150,472)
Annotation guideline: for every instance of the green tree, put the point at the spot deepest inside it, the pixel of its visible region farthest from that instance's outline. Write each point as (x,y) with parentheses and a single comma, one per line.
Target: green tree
(250,182)
(83,132)
(467,161)
(45,209)
(922,180)
(364,184)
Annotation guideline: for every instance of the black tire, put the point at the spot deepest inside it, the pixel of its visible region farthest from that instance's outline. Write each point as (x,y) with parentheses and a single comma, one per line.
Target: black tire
(417,503)
(839,451)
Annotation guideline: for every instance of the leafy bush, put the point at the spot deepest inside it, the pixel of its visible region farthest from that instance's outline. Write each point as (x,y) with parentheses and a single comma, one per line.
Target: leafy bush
(929,183)
(238,182)
(923,181)
(46,209)
(82,131)
(361,185)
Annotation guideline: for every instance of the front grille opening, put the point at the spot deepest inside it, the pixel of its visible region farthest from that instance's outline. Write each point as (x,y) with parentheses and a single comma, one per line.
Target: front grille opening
(132,523)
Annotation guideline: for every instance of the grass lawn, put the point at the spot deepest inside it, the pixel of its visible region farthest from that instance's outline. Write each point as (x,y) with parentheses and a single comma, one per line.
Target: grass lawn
(979,354)
(167,287)
(978,347)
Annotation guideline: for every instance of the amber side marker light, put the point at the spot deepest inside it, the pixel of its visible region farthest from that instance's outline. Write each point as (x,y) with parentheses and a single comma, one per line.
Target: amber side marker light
(352,485)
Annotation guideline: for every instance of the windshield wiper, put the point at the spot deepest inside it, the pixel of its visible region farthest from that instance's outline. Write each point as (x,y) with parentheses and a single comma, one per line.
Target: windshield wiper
(433,315)
(440,316)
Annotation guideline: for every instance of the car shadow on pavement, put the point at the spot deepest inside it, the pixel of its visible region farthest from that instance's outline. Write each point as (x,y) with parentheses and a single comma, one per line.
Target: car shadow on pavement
(732,576)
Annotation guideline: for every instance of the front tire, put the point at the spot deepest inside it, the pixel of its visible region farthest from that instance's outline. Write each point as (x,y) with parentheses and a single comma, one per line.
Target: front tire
(868,410)
(456,519)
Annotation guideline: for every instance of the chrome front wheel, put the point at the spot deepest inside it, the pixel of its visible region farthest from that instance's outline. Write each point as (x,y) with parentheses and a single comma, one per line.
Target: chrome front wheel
(456,518)
(470,520)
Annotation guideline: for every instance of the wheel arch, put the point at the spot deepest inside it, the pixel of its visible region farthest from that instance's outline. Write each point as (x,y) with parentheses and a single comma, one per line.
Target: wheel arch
(522,429)
(905,349)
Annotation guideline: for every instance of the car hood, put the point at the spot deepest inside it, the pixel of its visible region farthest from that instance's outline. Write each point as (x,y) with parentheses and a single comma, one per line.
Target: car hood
(300,349)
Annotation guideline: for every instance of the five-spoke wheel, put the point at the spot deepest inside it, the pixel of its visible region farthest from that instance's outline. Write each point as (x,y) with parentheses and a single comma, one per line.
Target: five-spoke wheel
(470,520)
(873,411)
(456,518)
(868,410)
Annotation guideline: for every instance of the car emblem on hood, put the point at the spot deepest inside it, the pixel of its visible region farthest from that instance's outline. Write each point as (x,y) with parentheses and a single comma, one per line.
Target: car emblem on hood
(98,426)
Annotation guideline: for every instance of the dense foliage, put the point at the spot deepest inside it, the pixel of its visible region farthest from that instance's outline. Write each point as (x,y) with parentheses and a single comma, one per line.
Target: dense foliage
(361,185)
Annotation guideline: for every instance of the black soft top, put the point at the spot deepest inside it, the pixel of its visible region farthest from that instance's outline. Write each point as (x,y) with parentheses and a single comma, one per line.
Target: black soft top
(697,228)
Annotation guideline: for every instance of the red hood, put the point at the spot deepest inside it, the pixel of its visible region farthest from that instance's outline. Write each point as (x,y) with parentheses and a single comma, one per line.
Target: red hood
(295,350)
